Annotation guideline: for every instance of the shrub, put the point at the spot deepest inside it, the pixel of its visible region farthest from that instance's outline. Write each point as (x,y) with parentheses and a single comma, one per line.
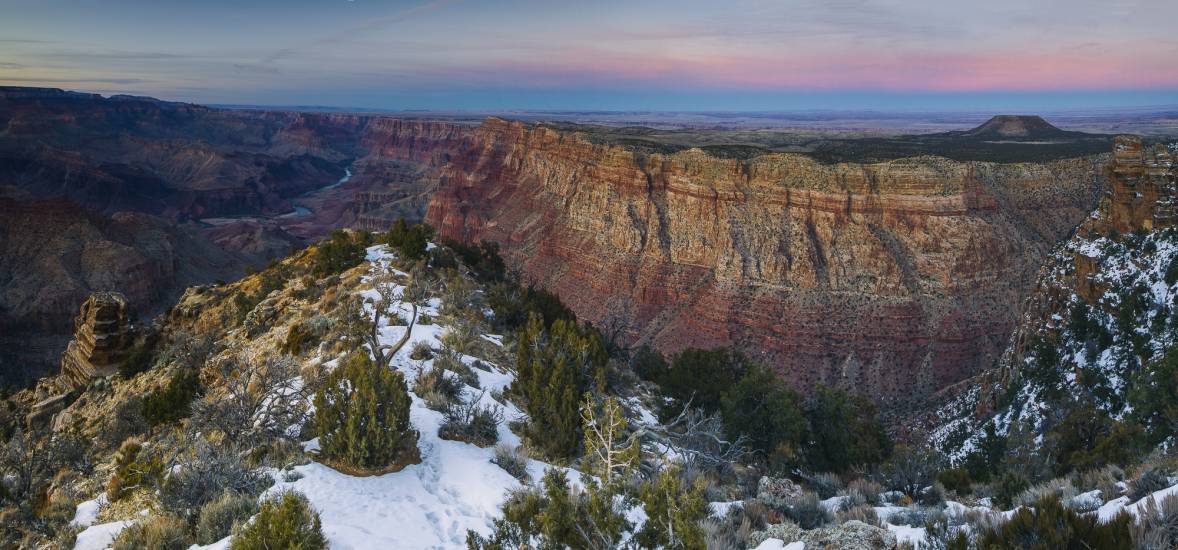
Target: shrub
(826,484)
(760,407)
(125,421)
(362,415)
(439,390)
(450,360)
(134,468)
(1060,489)
(910,470)
(648,364)
(554,367)
(1009,487)
(844,432)
(933,495)
(1106,480)
(171,403)
(703,375)
(473,423)
(140,358)
(863,513)
(337,254)
(956,480)
(1087,438)
(160,532)
(806,511)
(286,521)
(553,516)
(462,337)
(483,259)
(865,491)
(1157,525)
(301,337)
(421,351)
(1152,393)
(409,241)
(675,509)
(513,460)
(218,518)
(1149,481)
(1049,525)
(209,471)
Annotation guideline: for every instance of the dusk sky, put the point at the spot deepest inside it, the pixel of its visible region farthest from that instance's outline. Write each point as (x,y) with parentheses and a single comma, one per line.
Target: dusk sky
(666,55)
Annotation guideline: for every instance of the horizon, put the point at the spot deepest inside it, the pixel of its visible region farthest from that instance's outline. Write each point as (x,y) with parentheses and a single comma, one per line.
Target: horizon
(852,55)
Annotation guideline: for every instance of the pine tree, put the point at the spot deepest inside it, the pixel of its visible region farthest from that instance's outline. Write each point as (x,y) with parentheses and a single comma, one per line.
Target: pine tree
(674,511)
(362,414)
(607,453)
(555,517)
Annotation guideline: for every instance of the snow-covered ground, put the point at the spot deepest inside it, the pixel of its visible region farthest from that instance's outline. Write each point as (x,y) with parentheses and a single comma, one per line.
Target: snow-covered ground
(429,505)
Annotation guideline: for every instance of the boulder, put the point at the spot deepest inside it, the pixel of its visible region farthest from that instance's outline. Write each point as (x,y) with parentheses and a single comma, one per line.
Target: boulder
(776,492)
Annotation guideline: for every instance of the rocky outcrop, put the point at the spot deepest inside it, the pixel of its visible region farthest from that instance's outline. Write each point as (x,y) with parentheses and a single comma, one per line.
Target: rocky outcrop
(852,535)
(1143,188)
(102,336)
(894,278)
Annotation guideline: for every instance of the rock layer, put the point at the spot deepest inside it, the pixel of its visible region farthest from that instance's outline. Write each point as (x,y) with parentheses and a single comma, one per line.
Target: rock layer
(102,336)
(894,279)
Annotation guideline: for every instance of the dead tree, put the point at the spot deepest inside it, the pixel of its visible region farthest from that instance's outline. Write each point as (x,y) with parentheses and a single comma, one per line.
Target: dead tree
(697,439)
(415,292)
(264,399)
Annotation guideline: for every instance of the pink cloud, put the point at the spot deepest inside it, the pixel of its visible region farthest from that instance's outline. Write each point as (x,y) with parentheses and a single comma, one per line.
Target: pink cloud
(950,72)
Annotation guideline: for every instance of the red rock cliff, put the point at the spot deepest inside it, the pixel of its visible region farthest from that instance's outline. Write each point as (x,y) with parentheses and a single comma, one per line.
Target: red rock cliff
(895,278)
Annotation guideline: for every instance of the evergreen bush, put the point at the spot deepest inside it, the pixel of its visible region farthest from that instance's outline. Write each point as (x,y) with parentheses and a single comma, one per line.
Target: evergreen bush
(554,367)
(362,415)
(1048,525)
(283,522)
(172,402)
(337,254)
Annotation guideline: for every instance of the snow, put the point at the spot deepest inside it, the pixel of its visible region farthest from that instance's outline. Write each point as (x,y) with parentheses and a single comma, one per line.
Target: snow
(721,509)
(98,537)
(778,544)
(87,512)
(1114,507)
(910,535)
(1121,265)
(834,504)
(429,505)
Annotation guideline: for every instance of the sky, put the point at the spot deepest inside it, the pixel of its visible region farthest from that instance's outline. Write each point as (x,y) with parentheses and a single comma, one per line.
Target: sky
(730,55)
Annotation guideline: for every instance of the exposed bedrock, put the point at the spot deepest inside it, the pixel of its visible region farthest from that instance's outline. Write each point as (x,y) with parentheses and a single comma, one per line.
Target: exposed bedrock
(894,278)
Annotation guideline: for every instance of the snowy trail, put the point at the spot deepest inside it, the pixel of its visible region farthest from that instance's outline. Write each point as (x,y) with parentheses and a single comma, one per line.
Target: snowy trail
(427,505)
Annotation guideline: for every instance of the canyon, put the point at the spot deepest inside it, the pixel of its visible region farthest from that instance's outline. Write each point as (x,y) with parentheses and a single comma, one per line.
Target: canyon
(894,277)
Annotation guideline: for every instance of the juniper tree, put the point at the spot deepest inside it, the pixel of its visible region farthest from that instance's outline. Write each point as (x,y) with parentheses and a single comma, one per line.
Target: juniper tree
(674,510)
(554,367)
(362,413)
(555,516)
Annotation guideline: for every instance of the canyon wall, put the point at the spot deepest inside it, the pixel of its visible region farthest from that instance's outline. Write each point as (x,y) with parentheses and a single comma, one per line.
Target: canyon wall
(894,279)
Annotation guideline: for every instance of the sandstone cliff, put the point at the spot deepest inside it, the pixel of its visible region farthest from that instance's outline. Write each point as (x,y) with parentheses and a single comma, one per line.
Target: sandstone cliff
(895,278)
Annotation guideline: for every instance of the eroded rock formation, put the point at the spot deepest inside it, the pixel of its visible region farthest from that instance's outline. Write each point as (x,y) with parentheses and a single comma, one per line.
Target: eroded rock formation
(1143,187)
(893,278)
(102,336)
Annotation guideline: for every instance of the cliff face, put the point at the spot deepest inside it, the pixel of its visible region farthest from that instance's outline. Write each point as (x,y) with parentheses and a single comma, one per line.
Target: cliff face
(895,278)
